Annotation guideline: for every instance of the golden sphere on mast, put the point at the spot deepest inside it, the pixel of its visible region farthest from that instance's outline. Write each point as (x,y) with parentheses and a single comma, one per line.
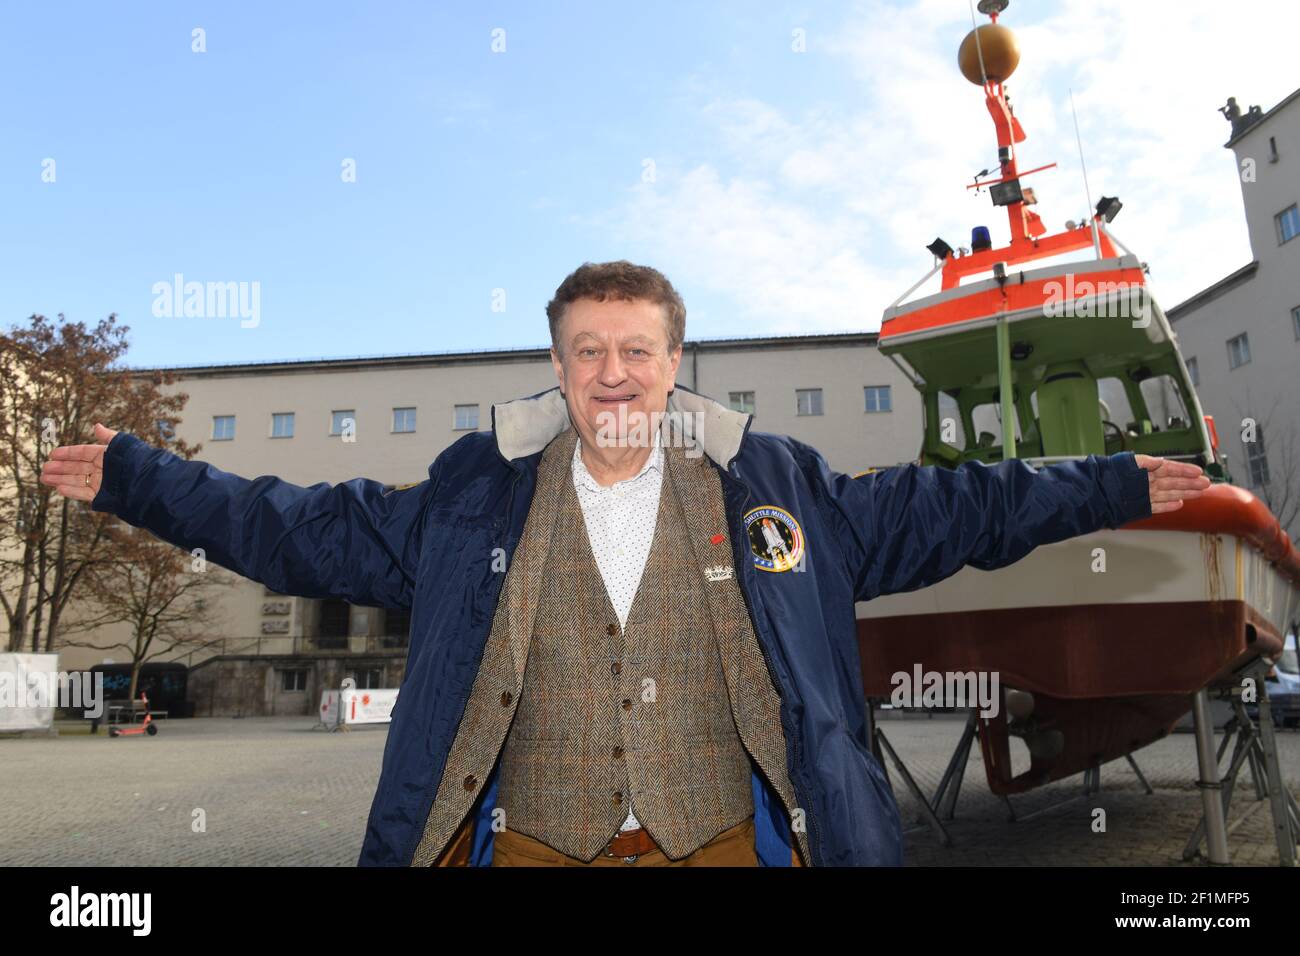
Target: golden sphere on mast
(1000,50)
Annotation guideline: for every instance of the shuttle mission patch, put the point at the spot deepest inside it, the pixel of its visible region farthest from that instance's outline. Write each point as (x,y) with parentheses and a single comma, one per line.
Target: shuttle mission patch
(775,538)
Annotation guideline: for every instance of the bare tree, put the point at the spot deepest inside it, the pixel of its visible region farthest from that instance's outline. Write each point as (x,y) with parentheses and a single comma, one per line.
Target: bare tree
(164,594)
(1275,435)
(56,380)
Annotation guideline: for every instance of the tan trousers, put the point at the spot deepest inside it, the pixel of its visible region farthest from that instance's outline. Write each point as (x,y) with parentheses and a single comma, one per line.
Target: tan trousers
(733,847)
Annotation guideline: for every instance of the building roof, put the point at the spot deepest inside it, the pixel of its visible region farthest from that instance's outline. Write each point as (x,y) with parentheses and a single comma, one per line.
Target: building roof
(1236,137)
(490,356)
(1207,295)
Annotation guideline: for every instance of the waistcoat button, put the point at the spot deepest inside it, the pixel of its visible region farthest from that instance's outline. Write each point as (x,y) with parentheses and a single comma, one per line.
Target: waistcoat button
(618,797)
(611,629)
(618,753)
(506,698)
(627,703)
(471,782)
(616,667)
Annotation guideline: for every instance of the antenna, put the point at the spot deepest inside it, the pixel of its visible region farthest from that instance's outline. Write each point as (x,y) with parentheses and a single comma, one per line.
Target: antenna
(978,48)
(1096,239)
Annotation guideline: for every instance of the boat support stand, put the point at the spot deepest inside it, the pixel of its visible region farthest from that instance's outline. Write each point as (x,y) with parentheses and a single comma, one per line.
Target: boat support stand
(1255,746)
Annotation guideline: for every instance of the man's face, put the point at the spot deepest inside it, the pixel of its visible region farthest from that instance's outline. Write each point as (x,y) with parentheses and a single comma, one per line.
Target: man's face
(612,355)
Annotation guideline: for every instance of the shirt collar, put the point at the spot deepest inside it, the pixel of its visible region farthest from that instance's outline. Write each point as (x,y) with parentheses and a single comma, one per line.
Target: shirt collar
(655,460)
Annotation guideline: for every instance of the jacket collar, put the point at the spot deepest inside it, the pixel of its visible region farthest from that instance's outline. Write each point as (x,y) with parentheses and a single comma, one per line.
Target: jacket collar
(525,426)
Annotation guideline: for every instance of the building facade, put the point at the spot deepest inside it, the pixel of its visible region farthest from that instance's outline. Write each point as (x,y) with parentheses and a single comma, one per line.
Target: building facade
(1241,336)
(389,418)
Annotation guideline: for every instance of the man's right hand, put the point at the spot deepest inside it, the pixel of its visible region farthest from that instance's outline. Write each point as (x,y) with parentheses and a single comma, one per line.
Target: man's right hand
(76,471)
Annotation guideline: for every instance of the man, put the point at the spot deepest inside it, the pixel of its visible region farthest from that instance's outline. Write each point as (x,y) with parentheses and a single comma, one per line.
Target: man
(610,664)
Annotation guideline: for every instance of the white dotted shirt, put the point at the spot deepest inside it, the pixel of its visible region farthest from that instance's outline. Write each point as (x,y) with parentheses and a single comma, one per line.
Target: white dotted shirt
(620,523)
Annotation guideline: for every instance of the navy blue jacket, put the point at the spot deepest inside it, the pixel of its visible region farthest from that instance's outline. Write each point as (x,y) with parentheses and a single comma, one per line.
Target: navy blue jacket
(437,547)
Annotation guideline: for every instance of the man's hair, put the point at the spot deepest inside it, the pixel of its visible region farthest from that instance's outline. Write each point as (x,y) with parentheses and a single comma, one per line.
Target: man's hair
(619,280)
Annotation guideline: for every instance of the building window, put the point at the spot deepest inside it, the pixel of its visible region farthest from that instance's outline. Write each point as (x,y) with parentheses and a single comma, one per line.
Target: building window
(808,401)
(397,627)
(403,419)
(1288,224)
(1193,371)
(1257,459)
(741,402)
(333,629)
(1272,149)
(466,417)
(223,427)
(282,425)
(293,680)
(369,678)
(1238,350)
(1295,321)
(343,420)
(878,398)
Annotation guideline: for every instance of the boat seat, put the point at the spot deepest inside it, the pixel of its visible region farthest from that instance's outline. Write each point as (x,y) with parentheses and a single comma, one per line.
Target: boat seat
(1068,411)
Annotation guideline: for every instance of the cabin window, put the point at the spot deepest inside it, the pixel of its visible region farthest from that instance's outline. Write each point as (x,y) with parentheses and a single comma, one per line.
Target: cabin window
(951,430)
(1164,403)
(1238,351)
(987,420)
(877,398)
(1115,406)
(808,401)
(1257,459)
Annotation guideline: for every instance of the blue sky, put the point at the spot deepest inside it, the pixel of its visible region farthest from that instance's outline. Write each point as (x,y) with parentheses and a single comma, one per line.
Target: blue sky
(791,191)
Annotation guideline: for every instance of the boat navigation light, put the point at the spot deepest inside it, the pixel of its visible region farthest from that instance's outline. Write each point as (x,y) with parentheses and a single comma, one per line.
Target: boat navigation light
(1000,271)
(1070,225)
(980,239)
(1108,208)
(940,249)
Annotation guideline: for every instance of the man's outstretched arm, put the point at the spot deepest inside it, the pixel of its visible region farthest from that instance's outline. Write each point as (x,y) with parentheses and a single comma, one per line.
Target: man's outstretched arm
(354,540)
(908,527)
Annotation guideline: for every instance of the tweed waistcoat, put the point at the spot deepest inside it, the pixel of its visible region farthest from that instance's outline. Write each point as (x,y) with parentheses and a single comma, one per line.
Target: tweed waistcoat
(692,494)
(609,713)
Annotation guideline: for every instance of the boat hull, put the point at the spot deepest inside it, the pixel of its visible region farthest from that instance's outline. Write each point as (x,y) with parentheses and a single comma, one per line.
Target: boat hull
(1111,633)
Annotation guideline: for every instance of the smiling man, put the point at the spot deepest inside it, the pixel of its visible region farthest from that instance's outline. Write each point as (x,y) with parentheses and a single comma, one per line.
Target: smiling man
(664,671)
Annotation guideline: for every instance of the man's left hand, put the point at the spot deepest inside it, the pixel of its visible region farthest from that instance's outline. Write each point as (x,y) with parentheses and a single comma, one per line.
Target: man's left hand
(1171,482)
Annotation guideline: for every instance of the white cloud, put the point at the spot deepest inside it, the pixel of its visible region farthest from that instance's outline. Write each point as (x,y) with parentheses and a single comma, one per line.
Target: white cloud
(817,219)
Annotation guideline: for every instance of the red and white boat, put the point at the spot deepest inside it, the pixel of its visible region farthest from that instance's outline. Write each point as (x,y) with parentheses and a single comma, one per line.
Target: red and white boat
(1104,641)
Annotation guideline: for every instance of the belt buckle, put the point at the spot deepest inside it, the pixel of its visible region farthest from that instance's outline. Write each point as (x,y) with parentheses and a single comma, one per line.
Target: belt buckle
(609,852)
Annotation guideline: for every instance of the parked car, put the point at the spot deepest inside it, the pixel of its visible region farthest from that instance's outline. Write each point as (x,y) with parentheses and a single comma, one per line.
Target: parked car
(1283,686)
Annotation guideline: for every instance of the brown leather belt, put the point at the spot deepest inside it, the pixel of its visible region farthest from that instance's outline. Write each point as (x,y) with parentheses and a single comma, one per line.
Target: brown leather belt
(631,843)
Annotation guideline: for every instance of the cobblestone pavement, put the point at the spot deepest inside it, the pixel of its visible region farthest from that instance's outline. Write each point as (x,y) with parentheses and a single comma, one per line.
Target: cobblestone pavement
(274,791)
